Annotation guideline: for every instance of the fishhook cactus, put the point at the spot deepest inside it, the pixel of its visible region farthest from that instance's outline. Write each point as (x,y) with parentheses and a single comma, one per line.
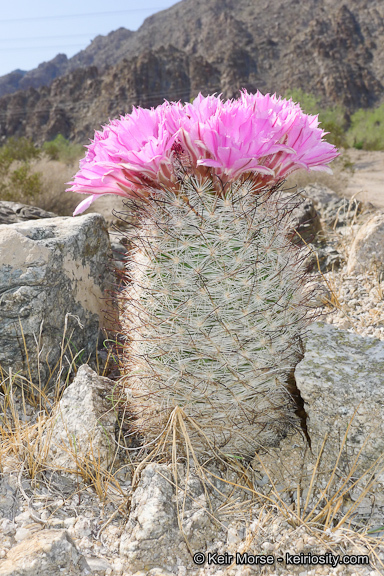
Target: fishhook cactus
(217,296)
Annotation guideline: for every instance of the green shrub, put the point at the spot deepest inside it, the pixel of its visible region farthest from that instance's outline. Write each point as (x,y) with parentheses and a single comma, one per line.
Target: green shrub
(332,119)
(62,150)
(23,184)
(364,130)
(308,102)
(16,149)
(367,129)
(18,183)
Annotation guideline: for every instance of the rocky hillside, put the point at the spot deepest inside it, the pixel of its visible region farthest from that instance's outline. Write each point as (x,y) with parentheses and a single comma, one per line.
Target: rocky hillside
(332,49)
(101,52)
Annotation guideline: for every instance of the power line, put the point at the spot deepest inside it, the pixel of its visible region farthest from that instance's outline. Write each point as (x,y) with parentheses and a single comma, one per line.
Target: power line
(62,46)
(49,37)
(83,15)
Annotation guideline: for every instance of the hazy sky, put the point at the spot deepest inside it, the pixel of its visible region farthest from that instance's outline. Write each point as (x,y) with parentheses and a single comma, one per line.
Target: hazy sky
(34,32)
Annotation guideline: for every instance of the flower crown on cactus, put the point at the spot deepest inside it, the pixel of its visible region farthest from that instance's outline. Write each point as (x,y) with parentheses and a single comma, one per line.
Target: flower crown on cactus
(265,137)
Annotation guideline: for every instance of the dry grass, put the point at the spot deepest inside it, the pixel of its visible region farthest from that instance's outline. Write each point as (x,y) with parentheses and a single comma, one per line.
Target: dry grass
(27,418)
(55,175)
(25,425)
(321,513)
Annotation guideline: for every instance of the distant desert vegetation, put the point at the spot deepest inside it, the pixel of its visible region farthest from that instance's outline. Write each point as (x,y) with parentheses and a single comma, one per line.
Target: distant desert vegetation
(38,175)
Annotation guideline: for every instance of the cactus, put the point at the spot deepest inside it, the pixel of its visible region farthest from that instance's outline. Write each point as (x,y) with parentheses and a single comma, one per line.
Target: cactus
(217,296)
(215,303)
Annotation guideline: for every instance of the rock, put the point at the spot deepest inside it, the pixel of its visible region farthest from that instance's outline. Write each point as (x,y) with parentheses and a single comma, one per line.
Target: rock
(11,212)
(154,518)
(84,424)
(53,277)
(342,373)
(367,251)
(50,552)
(305,220)
(333,210)
(319,194)
(99,565)
(9,498)
(340,212)
(325,256)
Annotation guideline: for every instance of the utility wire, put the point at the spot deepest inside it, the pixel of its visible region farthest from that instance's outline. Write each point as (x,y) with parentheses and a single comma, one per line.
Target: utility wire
(62,47)
(49,37)
(82,15)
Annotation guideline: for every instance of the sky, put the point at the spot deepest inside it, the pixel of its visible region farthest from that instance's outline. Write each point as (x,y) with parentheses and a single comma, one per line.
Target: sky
(34,32)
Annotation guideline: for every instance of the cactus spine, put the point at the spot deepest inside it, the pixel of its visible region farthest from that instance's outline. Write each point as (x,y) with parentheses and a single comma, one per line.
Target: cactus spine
(213,310)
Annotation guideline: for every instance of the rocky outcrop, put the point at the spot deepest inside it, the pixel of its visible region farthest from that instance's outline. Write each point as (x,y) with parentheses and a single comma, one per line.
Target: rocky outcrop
(333,51)
(76,104)
(53,276)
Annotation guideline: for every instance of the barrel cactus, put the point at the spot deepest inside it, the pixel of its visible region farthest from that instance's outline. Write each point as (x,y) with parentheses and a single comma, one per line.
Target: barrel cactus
(217,296)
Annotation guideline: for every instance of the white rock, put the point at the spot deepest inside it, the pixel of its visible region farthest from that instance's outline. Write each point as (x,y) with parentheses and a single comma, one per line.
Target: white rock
(51,271)
(22,534)
(82,527)
(367,250)
(50,552)
(84,423)
(342,373)
(96,564)
(154,518)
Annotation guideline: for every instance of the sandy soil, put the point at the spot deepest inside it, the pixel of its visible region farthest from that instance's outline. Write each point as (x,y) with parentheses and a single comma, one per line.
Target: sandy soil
(365,178)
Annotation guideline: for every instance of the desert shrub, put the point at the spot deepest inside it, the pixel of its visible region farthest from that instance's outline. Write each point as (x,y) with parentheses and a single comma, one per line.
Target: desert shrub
(23,183)
(333,119)
(18,182)
(364,130)
(54,177)
(30,175)
(367,129)
(19,149)
(62,150)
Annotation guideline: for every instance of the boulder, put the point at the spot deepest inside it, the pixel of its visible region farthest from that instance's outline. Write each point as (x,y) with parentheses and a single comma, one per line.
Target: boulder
(341,382)
(83,432)
(53,277)
(11,212)
(336,454)
(367,251)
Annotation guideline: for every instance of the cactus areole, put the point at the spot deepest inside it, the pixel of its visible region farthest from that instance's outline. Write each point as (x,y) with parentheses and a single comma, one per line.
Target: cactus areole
(217,295)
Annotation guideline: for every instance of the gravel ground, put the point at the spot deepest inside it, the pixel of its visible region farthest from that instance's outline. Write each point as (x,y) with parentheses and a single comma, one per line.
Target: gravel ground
(96,524)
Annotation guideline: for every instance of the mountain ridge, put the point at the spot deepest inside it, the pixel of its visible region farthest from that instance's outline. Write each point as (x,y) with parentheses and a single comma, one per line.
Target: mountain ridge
(333,49)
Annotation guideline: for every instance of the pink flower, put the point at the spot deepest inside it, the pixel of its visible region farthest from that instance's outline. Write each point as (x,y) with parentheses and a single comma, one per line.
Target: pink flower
(263,136)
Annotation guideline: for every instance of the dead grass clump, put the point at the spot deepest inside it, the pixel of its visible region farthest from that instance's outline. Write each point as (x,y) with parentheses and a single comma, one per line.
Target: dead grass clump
(27,412)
